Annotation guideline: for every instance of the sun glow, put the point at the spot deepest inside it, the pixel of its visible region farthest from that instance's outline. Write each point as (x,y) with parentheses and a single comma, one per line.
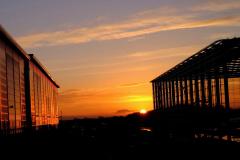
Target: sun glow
(143,111)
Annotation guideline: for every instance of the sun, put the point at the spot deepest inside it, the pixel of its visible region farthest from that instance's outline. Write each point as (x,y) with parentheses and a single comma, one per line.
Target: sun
(143,111)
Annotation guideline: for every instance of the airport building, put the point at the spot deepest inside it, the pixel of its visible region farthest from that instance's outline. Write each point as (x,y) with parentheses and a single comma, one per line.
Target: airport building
(28,94)
(208,79)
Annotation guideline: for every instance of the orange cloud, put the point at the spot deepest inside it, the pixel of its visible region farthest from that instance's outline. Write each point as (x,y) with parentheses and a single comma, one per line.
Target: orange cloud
(163,53)
(127,29)
(130,59)
(136,98)
(103,101)
(124,111)
(129,85)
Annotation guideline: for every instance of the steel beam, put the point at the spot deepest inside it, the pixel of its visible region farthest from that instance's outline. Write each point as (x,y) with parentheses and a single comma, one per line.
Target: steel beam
(167,97)
(210,92)
(191,90)
(154,95)
(181,91)
(203,91)
(226,89)
(173,94)
(186,90)
(164,94)
(170,93)
(217,94)
(197,91)
(160,95)
(177,91)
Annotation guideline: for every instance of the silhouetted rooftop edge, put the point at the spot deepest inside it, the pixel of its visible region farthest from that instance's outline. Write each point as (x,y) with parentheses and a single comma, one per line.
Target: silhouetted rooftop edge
(43,69)
(24,54)
(11,40)
(197,57)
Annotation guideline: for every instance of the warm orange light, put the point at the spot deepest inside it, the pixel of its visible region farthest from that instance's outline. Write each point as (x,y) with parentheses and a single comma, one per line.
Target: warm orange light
(143,111)
(137,98)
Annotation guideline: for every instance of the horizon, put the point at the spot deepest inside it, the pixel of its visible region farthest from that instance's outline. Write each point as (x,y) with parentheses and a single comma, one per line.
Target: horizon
(104,54)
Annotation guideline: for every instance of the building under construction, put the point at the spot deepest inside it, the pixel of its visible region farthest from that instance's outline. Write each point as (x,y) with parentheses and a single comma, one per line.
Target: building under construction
(208,79)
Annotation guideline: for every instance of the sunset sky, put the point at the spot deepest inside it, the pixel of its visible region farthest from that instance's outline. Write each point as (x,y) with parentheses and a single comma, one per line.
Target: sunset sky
(104,53)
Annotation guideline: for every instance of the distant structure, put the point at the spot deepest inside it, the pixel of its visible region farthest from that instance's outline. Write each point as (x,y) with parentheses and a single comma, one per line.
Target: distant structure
(28,94)
(210,78)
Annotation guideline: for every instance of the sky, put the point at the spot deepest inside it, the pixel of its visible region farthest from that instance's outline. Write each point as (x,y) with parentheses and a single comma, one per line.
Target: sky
(104,53)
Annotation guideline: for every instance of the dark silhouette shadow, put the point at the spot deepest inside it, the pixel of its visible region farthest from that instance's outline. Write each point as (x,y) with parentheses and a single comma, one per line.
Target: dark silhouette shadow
(134,136)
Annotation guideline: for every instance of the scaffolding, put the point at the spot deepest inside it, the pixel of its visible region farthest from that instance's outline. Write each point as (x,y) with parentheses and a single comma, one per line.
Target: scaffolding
(208,79)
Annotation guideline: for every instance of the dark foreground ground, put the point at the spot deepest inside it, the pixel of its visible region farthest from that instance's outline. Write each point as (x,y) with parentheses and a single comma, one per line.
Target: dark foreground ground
(132,137)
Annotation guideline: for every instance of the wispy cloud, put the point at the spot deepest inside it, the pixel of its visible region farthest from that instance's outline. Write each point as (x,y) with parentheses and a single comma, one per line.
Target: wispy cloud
(130,85)
(217,6)
(99,100)
(163,53)
(124,111)
(163,10)
(121,63)
(223,35)
(136,98)
(104,69)
(83,35)
(74,96)
(87,66)
(77,98)
(136,39)
(131,28)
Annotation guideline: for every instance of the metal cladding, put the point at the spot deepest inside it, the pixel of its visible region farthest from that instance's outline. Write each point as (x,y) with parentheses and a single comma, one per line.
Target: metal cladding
(209,78)
(28,94)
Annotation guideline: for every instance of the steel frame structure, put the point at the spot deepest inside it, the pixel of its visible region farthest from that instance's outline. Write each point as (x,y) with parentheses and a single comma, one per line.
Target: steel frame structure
(202,80)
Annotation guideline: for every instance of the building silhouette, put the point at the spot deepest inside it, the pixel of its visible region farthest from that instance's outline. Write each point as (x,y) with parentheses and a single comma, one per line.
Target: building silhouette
(208,79)
(28,94)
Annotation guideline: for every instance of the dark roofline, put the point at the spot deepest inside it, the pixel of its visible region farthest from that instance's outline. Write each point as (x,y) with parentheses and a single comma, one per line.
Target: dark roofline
(10,39)
(24,54)
(191,58)
(42,68)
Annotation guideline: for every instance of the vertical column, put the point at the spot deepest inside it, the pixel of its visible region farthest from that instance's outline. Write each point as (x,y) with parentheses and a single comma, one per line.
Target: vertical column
(181,92)
(27,80)
(210,92)
(154,95)
(203,91)
(166,87)
(156,92)
(217,90)
(173,94)
(170,93)
(226,89)
(160,95)
(191,90)
(177,93)
(186,91)
(164,94)
(197,91)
